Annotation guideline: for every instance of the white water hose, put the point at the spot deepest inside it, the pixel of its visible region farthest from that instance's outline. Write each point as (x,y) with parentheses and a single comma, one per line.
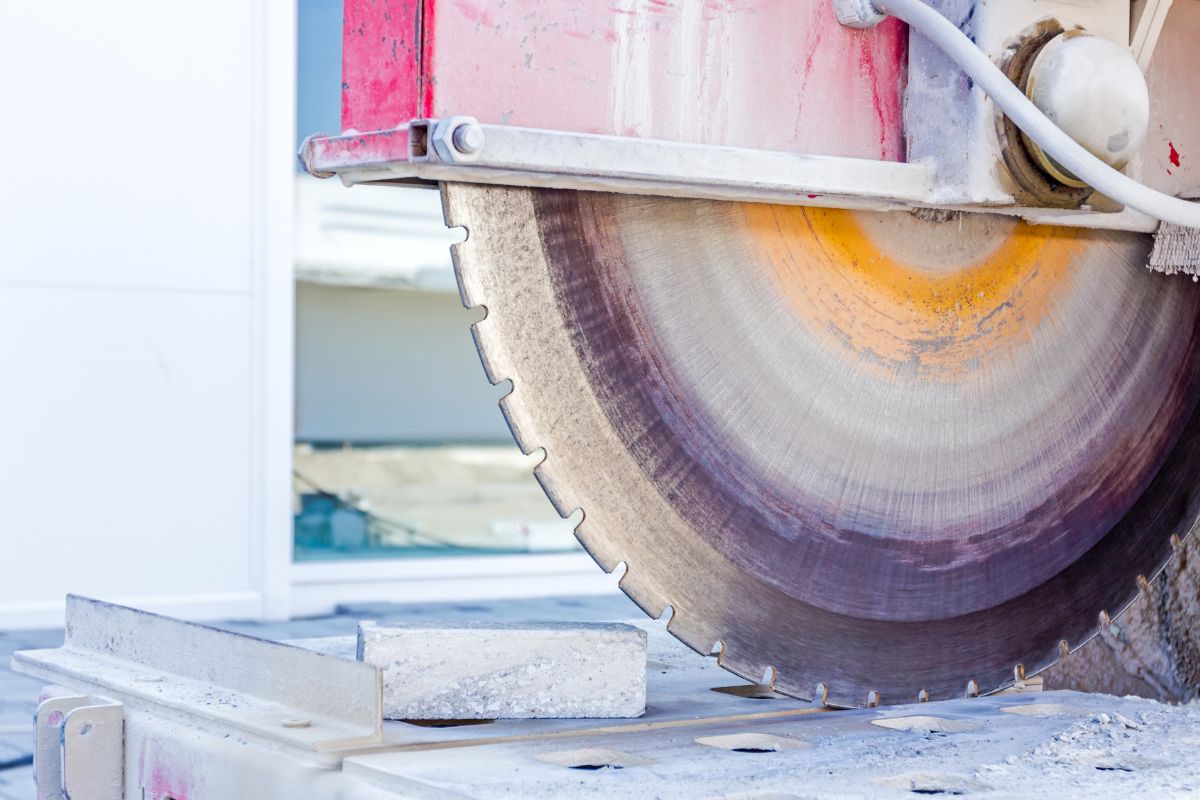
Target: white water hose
(1037,126)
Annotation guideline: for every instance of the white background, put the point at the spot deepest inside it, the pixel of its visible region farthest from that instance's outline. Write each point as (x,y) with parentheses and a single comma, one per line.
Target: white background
(146,306)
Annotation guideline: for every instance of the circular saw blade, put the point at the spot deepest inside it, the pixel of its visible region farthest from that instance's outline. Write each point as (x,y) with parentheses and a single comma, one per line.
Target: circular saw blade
(873,457)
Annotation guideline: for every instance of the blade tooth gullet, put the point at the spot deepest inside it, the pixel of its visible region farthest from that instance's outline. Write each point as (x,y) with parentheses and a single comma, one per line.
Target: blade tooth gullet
(520,423)
(452,213)
(786,676)
(469,292)
(598,547)
(693,631)
(565,500)
(748,668)
(793,685)
(648,597)
(846,695)
(470,267)
(927,695)
(842,695)
(492,353)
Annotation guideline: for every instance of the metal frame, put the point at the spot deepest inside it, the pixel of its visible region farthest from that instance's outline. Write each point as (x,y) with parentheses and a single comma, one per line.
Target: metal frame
(282,695)
(530,157)
(423,152)
(150,741)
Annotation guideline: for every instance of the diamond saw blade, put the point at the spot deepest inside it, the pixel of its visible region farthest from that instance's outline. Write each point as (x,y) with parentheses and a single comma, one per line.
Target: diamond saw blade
(868,457)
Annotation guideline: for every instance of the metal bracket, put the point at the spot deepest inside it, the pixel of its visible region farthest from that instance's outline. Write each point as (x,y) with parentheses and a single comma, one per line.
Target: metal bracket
(79,748)
(289,696)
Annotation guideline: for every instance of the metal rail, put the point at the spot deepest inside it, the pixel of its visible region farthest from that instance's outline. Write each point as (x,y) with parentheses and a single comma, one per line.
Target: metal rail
(427,150)
(276,692)
(458,148)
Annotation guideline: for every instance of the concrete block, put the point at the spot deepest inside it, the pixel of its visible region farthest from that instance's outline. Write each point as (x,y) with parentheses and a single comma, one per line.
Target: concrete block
(538,670)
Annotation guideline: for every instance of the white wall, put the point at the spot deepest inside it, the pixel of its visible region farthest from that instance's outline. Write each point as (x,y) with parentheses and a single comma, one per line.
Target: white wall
(145,305)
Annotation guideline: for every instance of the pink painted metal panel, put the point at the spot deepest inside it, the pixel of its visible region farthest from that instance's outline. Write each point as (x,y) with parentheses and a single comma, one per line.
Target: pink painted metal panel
(381,58)
(772,74)
(1171,155)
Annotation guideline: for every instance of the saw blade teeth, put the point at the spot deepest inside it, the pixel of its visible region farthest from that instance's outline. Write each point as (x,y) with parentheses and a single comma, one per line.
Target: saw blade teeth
(466,292)
(748,669)
(561,497)
(451,212)
(526,439)
(488,355)
(842,696)
(471,291)
(601,554)
(691,630)
(456,215)
(649,601)
(789,684)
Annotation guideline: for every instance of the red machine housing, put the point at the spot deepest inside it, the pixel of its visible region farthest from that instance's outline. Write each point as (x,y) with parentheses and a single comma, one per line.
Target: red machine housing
(768,74)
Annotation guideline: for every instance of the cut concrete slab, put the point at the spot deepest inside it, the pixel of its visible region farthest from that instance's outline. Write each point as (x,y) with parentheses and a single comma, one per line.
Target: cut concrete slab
(539,670)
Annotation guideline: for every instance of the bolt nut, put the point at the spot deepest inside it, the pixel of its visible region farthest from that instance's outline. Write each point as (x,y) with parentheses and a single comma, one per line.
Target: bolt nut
(457,140)
(468,139)
(858,13)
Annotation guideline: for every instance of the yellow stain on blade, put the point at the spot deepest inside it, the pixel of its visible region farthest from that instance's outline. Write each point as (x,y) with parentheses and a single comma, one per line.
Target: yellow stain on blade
(844,285)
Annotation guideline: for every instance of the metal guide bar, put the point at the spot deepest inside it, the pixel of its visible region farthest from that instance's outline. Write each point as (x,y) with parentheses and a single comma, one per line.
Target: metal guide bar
(429,151)
(284,693)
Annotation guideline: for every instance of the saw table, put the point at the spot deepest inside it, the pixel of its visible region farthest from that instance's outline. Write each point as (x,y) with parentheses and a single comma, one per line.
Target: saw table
(148,707)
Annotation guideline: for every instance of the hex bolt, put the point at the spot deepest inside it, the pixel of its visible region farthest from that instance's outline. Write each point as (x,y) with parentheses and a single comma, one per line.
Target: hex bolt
(296,723)
(468,138)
